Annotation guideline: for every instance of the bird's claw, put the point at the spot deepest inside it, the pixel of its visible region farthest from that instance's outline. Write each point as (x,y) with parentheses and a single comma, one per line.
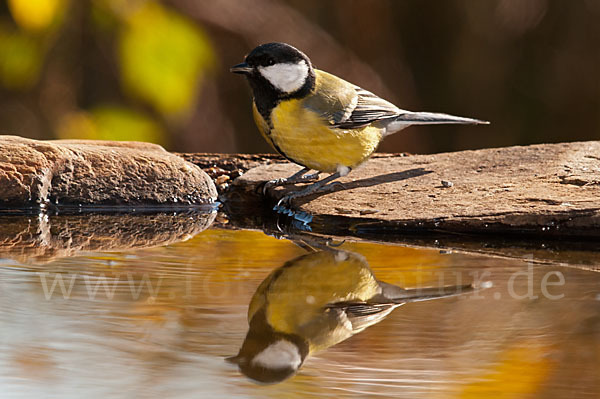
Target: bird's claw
(286,200)
(283,201)
(283,208)
(273,183)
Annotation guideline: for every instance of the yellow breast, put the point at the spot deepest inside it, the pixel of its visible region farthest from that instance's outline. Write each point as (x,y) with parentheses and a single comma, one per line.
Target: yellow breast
(303,136)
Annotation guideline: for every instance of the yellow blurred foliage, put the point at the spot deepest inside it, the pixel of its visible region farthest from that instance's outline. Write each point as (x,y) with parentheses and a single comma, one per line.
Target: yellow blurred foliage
(163,56)
(258,254)
(21,59)
(521,371)
(111,123)
(36,15)
(236,250)
(406,267)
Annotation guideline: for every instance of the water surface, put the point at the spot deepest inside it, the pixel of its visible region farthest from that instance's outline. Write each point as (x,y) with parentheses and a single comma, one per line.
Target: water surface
(159,321)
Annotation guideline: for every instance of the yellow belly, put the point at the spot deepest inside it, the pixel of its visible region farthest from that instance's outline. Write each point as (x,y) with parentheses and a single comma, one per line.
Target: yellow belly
(306,139)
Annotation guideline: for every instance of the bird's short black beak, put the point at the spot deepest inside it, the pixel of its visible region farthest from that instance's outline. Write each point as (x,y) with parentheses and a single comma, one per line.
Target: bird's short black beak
(242,68)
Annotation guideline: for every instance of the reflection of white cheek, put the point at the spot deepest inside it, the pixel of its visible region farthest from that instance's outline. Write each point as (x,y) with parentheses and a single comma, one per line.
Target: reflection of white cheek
(286,77)
(279,355)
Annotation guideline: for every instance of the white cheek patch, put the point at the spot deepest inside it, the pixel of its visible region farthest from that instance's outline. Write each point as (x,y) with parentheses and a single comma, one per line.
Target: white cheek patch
(286,77)
(279,355)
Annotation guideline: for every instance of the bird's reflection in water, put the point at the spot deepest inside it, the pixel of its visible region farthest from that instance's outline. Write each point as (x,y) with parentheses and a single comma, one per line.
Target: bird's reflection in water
(313,302)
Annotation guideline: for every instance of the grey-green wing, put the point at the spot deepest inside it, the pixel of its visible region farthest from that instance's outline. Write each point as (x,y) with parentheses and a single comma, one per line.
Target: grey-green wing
(361,315)
(347,106)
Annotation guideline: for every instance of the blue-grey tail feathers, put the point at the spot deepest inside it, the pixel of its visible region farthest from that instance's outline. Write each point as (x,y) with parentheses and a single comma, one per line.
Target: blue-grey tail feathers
(428,118)
(401,295)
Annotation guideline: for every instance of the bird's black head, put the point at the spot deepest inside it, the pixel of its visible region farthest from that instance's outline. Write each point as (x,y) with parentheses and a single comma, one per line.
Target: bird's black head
(268,356)
(277,71)
(275,53)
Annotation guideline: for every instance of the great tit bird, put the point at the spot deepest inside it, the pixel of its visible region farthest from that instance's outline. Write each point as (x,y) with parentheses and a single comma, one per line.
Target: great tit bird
(313,302)
(317,120)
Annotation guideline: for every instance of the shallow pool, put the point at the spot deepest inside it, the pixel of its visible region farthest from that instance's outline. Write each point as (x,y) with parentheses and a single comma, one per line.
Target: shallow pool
(147,320)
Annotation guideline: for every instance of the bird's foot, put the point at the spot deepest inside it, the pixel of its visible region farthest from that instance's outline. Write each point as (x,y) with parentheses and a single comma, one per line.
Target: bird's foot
(284,205)
(304,217)
(285,181)
(286,201)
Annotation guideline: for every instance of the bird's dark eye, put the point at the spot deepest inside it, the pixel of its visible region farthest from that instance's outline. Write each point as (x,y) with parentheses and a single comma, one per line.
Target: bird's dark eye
(270,61)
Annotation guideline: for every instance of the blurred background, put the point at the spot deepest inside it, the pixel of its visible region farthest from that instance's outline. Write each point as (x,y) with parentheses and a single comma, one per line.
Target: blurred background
(158,71)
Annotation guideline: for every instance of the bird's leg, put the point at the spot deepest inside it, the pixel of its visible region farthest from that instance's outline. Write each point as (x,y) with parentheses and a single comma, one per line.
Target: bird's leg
(298,177)
(319,186)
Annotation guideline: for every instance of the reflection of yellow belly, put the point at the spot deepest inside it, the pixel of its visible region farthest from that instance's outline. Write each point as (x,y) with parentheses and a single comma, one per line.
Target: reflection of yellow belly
(297,295)
(304,138)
